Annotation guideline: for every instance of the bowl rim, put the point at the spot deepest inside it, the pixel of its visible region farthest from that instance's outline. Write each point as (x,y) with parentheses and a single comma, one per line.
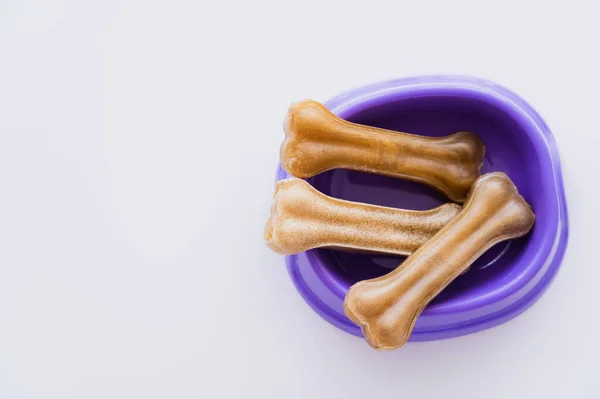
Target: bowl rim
(459,316)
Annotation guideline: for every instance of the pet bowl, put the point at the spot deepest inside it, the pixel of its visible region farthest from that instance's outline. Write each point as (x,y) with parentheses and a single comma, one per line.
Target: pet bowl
(509,277)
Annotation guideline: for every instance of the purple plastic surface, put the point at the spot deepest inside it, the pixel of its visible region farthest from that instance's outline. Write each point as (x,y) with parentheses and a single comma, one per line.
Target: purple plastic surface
(508,278)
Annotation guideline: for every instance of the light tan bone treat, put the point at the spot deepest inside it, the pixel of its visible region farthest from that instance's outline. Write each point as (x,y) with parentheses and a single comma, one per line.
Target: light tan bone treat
(386,308)
(303,218)
(317,141)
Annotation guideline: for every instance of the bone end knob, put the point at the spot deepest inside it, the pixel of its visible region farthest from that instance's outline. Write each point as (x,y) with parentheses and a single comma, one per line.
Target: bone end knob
(317,141)
(386,308)
(303,218)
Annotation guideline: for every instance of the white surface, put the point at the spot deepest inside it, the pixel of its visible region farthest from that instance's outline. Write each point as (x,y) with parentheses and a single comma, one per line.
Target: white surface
(138,143)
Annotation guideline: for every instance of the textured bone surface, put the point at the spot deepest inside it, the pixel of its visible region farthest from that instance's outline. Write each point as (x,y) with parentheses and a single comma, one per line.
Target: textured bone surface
(303,218)
(386,308)
(317,141)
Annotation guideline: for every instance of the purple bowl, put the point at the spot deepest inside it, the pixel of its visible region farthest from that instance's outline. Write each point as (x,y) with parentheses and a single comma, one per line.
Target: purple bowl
(509,277)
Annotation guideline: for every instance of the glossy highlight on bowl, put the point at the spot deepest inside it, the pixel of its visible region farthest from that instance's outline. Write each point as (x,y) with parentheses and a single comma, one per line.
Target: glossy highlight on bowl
(509,277)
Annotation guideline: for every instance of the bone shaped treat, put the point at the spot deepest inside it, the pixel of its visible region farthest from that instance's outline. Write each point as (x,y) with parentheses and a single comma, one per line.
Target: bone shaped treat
(317,141)
(303,218)
(386,308)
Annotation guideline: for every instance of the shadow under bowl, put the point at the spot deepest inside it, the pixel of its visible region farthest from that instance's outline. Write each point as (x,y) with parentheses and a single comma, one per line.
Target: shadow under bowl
(509,277)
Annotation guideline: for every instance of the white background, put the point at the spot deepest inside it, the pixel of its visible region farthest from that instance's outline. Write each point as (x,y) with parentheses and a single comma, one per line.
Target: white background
(138,145)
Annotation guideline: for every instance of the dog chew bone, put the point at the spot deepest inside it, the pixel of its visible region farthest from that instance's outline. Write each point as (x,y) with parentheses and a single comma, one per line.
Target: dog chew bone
(386,308)
(317,141)
(303,218)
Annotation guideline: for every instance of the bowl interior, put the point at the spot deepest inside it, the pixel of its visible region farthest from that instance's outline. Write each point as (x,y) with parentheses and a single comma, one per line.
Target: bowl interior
(508,148)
